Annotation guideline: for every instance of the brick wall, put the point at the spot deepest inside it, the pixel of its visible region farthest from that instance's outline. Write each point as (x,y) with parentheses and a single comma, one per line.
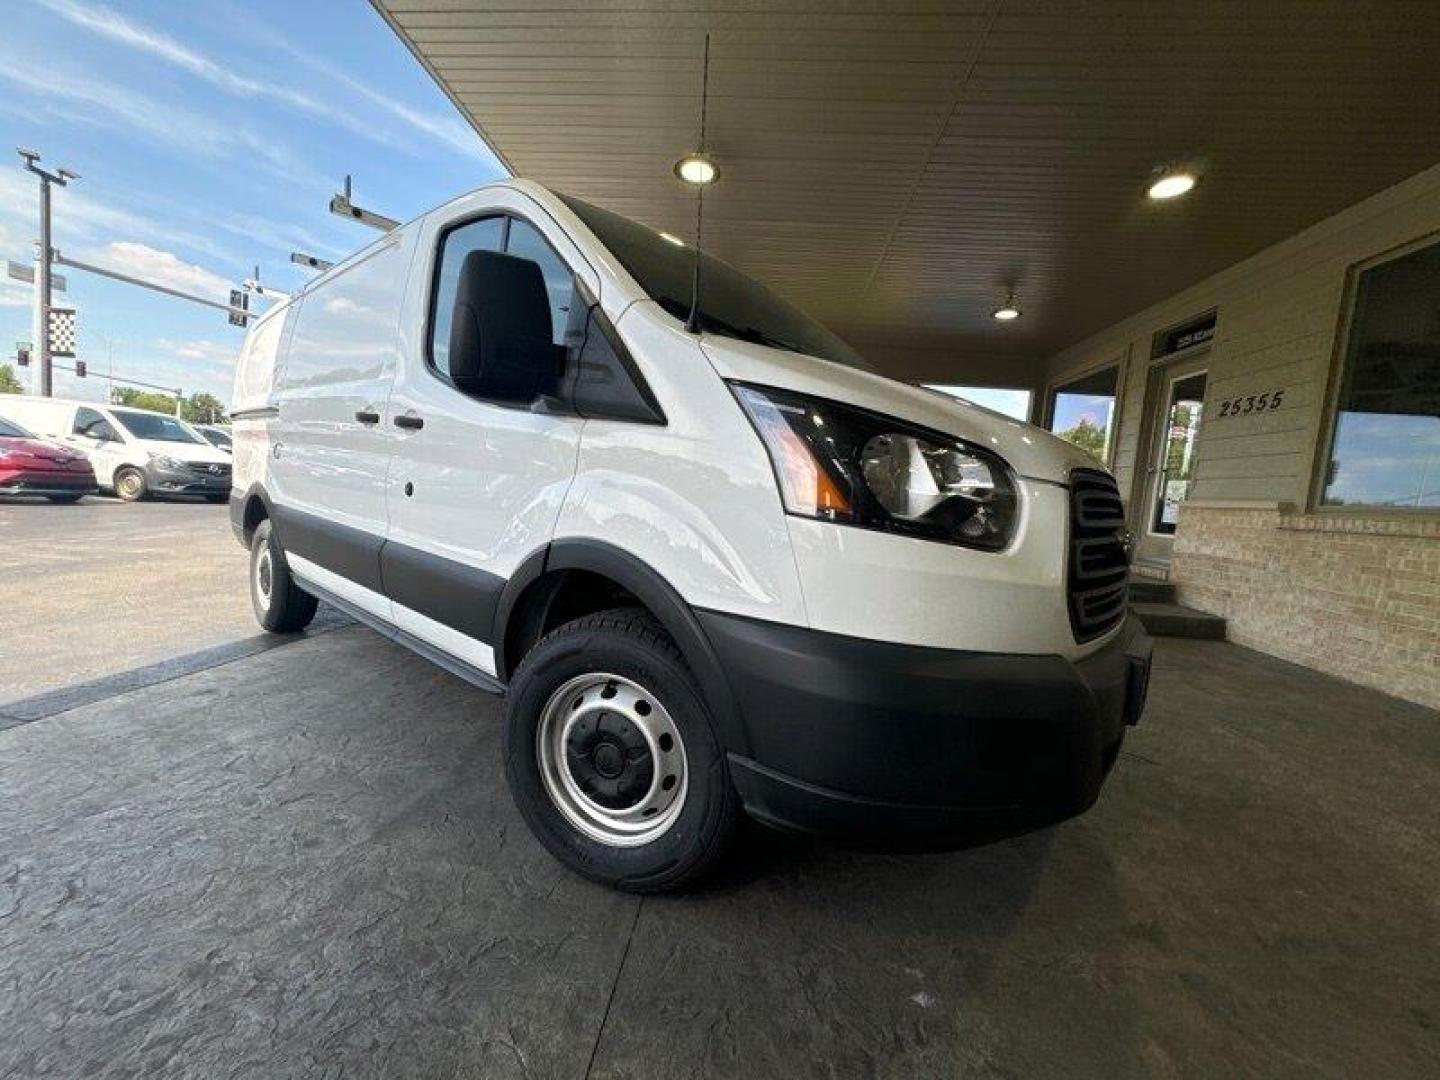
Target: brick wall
(1355,597)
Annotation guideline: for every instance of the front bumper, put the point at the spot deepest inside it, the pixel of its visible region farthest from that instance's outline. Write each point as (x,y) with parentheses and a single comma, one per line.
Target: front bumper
(920,747)
(48,483)
(189,480)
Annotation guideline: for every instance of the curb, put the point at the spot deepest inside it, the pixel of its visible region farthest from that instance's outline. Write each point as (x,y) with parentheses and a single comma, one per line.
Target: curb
(28,710)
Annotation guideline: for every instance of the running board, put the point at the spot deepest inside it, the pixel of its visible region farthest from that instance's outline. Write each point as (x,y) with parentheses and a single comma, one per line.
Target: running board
(471,674)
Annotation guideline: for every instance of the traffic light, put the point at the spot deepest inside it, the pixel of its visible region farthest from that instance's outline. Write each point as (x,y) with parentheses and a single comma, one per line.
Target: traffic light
(22,355)
(241,300)
(79,369)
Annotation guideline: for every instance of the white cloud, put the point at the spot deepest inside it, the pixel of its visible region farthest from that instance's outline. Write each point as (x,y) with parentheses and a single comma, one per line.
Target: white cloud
(163,267)
(84,226)
(450,130)
(217,353)
(281,237)
(79,218)
(191,135)
(15,294)
(142,114)
(111,24)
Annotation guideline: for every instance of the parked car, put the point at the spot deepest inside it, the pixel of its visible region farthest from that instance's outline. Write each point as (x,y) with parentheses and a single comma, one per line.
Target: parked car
(715,563)
(215,435)
(30,465)
(135,453)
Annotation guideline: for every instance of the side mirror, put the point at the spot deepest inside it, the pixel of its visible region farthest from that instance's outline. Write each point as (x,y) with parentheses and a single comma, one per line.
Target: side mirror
(501,337)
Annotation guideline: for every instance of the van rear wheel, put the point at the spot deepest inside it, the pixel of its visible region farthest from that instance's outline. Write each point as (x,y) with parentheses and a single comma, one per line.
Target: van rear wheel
(611,756)
(281,606)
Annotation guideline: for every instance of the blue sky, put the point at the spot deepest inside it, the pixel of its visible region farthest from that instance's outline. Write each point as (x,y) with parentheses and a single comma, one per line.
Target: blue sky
(209,138)
(1070,409)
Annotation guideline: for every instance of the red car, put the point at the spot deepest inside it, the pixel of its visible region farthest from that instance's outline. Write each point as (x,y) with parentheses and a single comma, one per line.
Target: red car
(32,466)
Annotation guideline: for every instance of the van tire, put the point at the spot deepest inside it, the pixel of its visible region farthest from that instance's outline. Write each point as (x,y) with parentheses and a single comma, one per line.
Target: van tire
(130,484)
(281,606)
(630,645)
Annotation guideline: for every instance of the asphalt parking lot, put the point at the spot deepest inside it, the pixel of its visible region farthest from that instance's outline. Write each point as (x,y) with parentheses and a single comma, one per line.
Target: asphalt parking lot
(305,862)
(103,586)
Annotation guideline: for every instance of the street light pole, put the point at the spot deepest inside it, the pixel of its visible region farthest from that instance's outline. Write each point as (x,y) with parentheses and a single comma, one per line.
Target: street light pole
(42,276)
(42,289)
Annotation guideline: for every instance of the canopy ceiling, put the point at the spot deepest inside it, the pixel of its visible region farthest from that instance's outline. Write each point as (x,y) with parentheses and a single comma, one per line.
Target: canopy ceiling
(896,169)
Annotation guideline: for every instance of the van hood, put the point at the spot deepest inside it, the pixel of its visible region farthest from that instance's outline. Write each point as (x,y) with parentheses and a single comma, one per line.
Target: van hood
(1031,451)
(195,453)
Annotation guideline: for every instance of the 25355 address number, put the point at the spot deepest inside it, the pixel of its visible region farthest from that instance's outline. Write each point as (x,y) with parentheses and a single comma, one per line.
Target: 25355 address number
(1252,403)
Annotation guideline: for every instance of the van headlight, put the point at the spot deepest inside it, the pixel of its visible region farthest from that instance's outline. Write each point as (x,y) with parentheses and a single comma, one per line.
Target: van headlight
(848,465)
(166,462)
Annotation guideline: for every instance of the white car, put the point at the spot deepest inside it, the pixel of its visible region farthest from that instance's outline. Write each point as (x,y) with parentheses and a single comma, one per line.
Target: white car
(715,564)
(215,435)
(136,453)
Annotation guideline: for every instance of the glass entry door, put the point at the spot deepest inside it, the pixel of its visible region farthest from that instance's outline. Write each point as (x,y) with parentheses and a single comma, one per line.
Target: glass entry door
(1178,403)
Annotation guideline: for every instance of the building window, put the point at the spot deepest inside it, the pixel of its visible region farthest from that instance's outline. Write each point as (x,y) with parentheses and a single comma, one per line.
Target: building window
(1385,444)
(1014,403)
(1083,412)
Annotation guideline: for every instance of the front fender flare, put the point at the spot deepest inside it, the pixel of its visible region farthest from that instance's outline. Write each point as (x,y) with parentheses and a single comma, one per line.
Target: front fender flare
(659,597)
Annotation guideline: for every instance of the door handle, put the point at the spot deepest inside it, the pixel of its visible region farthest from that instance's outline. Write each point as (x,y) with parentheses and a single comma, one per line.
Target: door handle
(365,416)
(410,423)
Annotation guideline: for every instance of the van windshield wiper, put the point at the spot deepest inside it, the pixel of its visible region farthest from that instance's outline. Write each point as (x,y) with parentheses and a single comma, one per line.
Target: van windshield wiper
(748,333)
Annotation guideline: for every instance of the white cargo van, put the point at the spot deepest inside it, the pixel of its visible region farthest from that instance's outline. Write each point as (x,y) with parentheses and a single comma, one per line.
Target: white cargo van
(716,565)
(136,453)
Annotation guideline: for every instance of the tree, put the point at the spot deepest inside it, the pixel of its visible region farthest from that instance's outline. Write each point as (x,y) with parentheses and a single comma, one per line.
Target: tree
(1088,436)
(202,408)
(9,383)
(142,399)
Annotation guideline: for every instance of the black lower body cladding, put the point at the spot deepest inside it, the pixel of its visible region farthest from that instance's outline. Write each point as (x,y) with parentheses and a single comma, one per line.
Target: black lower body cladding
(922,747)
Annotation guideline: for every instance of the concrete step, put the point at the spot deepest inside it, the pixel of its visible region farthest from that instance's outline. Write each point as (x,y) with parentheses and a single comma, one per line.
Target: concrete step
(1150,591)
(1177,620)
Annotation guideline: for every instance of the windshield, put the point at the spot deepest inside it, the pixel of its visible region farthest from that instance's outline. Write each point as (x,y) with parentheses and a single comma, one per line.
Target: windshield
(731,304)
(216,438)
(144,425)
(11,430)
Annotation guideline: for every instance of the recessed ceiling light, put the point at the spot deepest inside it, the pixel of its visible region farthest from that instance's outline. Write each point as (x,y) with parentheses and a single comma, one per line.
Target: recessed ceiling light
(672,238)
(696,169)
(1171,186)
(1008,311)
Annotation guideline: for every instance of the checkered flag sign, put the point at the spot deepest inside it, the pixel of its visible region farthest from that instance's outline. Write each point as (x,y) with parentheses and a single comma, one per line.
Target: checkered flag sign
(62,331)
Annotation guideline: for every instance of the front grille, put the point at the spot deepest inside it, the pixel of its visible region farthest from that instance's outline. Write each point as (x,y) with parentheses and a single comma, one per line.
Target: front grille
(217,470)
(1099,575)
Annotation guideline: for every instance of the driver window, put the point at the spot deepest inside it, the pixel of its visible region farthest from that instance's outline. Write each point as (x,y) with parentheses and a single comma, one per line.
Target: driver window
(486,234)
(527,243)
(513,236)
(92,425)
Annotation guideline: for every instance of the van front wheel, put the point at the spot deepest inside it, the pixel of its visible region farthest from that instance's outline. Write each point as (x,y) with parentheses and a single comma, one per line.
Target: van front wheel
(611,756)
(281,606)
(130,484)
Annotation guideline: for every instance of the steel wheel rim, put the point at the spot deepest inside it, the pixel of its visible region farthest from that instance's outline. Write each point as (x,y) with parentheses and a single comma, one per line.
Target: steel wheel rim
(598,710)
(129,485)
(264,577)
